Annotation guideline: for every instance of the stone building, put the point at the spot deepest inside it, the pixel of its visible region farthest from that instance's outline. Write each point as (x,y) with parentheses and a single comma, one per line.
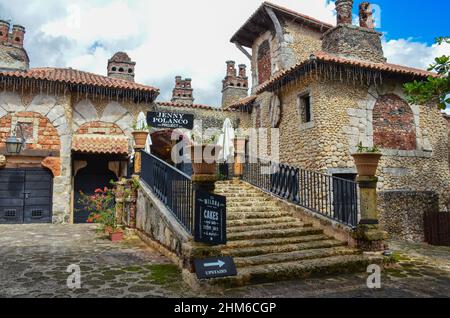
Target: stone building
(328,88)
(78,130)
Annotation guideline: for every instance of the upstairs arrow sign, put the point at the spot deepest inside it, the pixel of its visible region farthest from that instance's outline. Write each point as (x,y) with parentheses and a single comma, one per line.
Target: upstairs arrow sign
(215,267)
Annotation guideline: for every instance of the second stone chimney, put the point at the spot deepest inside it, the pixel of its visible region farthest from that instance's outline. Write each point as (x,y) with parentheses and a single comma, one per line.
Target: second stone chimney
(183,92)
(121,66)
(354,42)
(235,84)
(13,55)
(366,16)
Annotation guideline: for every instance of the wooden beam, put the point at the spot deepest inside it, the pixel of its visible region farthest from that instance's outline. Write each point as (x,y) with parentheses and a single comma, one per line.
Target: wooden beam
(276,23)
(246,53)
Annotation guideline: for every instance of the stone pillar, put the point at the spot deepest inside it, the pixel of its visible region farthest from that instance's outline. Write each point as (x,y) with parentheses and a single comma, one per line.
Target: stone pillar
(344,11)
(369,236)
(137,160)
(239,156)
(204,182)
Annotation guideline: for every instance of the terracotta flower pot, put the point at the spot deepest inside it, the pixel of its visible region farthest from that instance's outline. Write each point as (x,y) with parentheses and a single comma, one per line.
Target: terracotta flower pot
(140,138)
(116,236)
(367,163)
(210,153)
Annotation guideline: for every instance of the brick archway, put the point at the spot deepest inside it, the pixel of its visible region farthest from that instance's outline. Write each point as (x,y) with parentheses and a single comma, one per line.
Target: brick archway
(393,124)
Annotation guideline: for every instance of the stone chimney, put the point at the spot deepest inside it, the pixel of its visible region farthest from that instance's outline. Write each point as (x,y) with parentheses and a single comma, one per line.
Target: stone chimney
(235,84)
(183,92)
(120,66)
(354,42)
(366,16)
(344,12)
(13,56)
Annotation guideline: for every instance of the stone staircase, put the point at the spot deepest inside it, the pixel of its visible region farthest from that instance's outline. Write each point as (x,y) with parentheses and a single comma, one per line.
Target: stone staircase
(269,244)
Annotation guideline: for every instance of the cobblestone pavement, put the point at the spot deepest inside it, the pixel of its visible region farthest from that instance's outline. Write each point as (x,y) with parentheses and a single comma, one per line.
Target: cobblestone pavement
(34,261)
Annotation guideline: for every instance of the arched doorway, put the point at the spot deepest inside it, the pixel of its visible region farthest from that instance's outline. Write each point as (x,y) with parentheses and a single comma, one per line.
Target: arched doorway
(96,175)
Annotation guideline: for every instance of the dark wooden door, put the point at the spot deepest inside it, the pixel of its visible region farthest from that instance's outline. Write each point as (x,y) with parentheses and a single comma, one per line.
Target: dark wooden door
(95,176)
(25,196)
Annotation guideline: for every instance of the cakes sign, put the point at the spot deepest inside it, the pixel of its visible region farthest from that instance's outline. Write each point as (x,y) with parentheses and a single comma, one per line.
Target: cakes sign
(170,120)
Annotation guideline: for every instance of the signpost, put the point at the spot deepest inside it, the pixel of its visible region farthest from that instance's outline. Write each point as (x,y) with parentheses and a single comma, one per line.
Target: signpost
(170,120)
(210,218)
(215,267)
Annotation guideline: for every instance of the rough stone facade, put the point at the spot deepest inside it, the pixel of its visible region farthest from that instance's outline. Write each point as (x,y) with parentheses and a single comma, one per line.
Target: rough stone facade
(354,42)
(402,213)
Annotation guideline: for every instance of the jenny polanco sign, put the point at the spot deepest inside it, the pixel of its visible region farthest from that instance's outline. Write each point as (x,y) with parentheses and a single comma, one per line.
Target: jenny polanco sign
(215,267)
(210,218)
(170,120)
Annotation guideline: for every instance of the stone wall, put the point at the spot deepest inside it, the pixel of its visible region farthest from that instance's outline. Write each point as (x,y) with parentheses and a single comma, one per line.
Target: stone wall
(158,223)
(402,213)
(342,117)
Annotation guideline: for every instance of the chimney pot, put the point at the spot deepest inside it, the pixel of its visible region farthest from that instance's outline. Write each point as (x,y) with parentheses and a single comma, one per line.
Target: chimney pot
(344,11)
(366,16)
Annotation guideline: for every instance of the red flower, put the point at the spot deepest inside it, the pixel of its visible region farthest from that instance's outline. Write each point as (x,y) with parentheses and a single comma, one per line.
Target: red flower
(98,191)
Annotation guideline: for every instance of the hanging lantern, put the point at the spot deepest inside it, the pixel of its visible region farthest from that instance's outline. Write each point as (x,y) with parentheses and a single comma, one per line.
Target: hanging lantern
(14,145)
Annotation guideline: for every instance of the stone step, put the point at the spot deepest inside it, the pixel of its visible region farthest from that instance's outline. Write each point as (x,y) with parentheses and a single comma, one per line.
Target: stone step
(251,222)
(249,203)
(294,256)
(275,241)
(268,226)
(262,234)
(260,215)
(258,208)
(270,249)
(248,199)
(297,270)
(244,194)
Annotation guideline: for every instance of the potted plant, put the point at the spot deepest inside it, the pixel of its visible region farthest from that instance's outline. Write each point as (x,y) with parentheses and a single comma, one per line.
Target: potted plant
(367,160)
(101,206)
(204,153)
(140,134)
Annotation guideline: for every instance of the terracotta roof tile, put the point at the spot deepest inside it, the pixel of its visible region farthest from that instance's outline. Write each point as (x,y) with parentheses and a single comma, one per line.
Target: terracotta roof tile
(194,106)
(328,58)
(260,12)
(100,144)
(243,102)
(76,77)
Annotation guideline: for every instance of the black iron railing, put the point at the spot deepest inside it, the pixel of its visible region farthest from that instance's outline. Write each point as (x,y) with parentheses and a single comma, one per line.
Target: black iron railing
(171,186)
(225,171)
(332,197)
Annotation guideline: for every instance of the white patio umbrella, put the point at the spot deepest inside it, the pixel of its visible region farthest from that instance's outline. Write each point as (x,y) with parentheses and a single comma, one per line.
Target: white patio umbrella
(226,141)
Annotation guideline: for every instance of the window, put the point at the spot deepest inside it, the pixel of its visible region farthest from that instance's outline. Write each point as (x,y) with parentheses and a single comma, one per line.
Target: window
(305,109)
(121,70)
(17,39)
(130,70)
(114,69)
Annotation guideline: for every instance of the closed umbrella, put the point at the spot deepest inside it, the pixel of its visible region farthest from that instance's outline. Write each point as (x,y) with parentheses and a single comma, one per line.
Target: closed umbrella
(226,141)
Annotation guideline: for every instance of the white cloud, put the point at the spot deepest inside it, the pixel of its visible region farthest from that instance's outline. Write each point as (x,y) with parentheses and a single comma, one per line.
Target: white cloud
(165,37)
(414,54)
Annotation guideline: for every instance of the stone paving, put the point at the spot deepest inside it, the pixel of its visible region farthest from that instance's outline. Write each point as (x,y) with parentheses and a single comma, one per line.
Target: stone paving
(34,261)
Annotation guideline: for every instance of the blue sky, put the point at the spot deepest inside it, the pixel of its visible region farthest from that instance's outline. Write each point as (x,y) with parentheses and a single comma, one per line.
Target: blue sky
(420,20)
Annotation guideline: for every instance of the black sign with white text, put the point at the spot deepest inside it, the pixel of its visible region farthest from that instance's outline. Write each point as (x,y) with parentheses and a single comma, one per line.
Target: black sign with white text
(215,267)
(170,120)
(210,218)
